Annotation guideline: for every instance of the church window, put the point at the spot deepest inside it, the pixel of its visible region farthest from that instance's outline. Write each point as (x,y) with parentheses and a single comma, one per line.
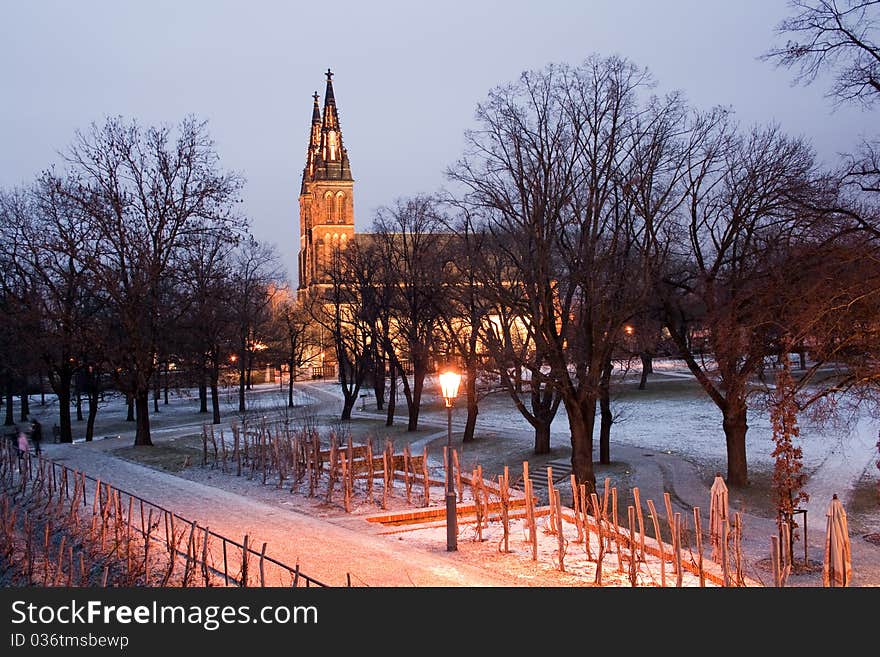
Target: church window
(340,207)
(328,204)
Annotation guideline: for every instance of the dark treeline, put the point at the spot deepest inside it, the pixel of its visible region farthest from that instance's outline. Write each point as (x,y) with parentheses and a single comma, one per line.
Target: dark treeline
(129,264)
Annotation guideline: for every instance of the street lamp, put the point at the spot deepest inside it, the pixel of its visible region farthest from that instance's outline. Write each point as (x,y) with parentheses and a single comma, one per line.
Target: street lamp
(449,387)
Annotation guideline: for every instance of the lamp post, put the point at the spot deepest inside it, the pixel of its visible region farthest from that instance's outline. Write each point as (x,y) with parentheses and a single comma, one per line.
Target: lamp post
(449,382)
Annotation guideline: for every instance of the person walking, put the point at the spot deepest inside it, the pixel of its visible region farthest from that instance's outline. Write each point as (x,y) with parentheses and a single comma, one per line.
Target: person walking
(23,446)
(36,435)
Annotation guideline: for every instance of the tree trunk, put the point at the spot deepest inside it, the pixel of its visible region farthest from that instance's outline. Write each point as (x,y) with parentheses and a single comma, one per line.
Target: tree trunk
(415,404)
(349,400)
(165,401)
(215,394)
(472,409)
(735,428)
(581,420)
(606,417)
(542,437)
(250,367)
(647,368)
(93,411)
(62,387)
(378,376)
(290,365)
(203,392)
(241,383)
(43,389)
(25,404)
(392,396)
(157,390)
(130,410)
(142,415)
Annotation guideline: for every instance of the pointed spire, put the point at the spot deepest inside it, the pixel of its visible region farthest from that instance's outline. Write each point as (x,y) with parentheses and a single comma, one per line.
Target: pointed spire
(316,110)
(331,117)
(328,94)
(327,158)
(314,147)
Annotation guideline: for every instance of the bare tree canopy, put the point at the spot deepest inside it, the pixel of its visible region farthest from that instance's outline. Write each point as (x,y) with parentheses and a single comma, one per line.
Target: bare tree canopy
(150,193)
(837,37)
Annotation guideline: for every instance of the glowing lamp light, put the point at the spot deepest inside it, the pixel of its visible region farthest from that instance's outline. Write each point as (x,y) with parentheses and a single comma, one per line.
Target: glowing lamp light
(449,382)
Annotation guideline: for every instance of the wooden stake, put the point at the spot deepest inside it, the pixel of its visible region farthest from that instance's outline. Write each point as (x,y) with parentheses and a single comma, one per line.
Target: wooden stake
(667,500)
(503,487)
(425,479)
(616,529)
(244,562)
(641,519)
(599,514)
(407,480)
(385,480)
(530,512)
(660,544)
(551,491)
(677,548)
(737,548)
(774,561)
(457,467)
(575,502)
(557,503)
(586,521)
(605,511)
(698,533)
(478,504)
(725,565)
(370,473)
(633,557)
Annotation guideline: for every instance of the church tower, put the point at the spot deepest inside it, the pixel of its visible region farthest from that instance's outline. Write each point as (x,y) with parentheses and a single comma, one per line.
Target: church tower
(326,198)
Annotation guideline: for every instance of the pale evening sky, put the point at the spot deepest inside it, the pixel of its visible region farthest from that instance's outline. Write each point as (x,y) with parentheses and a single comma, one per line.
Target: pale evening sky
(408,76)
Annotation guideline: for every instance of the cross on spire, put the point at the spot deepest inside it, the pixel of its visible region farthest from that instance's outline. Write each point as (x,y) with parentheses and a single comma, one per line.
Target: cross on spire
(329,75)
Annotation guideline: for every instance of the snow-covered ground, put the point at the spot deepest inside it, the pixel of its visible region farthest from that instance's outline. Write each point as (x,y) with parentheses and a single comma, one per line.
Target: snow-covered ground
(673,416)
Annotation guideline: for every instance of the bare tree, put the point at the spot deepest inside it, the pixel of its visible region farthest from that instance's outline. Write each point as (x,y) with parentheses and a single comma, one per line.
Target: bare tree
(548,172)
(338,309)
(465,306)
(256,278)
(411,244)
(722,311)
(835,36)
(149,193)
(293,333)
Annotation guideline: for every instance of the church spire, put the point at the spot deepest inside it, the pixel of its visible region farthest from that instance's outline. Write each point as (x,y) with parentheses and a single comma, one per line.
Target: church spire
(314,147)
(332,158)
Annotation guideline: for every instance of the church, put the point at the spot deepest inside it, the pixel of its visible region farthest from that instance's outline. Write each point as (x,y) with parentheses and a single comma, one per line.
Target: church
(326,197)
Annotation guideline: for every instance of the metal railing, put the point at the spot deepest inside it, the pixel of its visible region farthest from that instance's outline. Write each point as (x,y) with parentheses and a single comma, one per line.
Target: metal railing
(295,575)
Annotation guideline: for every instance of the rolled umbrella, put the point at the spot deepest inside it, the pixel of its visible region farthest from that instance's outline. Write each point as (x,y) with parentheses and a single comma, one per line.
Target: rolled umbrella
(837,569)
(717,516)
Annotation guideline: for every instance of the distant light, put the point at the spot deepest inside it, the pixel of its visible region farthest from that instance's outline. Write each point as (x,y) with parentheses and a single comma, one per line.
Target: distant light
(629,330)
